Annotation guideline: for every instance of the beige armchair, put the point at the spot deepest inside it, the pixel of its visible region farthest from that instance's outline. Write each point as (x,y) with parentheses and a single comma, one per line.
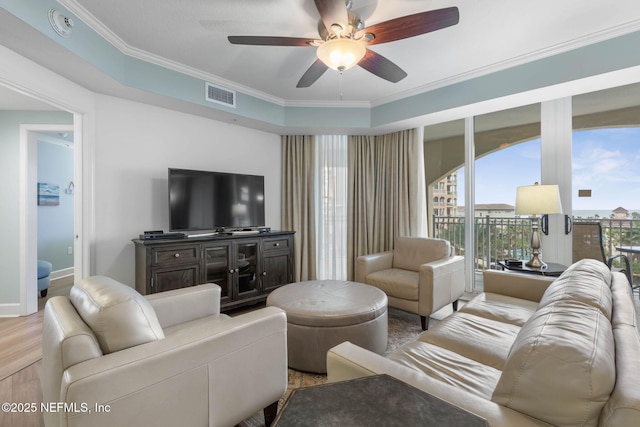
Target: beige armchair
(113,357)
(419,276)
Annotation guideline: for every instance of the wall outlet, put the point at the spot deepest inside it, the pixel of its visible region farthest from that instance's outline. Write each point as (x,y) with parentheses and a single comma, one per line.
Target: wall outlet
(70,250)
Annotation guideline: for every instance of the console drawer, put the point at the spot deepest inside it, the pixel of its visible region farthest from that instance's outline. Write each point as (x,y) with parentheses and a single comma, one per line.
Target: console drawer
(175,255)
(275,244)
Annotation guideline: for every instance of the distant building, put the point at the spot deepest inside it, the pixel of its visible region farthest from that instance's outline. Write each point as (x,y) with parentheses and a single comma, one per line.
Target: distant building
(445,196)
(620,213)
(494,210)
(620,218)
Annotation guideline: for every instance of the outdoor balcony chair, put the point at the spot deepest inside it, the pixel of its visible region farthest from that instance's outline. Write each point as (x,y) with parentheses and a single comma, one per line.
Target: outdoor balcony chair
(587,243)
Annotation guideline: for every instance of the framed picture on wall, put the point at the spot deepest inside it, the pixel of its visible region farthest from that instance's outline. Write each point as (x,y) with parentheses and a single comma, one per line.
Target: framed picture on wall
(48,194)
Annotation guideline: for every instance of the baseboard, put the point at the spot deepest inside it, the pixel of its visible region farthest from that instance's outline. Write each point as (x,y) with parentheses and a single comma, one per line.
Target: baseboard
(10,310)
(59,274)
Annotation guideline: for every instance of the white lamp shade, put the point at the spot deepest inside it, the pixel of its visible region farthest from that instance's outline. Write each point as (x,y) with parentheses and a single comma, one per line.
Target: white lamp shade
(538,199)
(341,54)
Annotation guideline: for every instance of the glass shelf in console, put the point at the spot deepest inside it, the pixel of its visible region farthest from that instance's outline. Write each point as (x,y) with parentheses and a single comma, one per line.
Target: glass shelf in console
(233,266)
(218,268)
(247,265)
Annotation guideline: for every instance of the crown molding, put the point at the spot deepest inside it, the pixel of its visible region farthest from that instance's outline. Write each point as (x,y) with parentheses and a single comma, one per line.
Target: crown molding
(105,32)
(112,38)
(327,104)
(577,43)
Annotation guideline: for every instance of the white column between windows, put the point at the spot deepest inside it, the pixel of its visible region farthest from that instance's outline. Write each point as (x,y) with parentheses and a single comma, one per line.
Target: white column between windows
(469,202)
(556,151)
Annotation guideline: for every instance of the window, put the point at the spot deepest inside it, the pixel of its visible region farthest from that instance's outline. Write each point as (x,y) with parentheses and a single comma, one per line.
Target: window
(331,206)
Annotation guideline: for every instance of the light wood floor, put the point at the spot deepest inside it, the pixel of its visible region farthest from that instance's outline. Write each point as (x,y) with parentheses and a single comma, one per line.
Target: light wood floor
(20,360)
(20,339)
(22,387)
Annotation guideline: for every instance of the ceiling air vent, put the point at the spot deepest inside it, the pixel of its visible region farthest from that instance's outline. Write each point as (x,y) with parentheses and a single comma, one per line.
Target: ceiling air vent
(220,95)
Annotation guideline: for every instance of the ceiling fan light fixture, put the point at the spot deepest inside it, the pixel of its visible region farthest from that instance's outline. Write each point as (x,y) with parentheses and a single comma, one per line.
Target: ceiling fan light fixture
(341,54)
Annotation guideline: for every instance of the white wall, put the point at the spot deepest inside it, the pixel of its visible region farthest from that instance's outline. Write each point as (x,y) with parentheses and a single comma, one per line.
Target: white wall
(135,144)
(128,146)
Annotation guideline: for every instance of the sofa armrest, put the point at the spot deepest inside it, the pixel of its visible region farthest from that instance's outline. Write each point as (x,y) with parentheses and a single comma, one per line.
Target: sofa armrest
(213,372)
(530,287)
(348,361)
(185,304)
(367,264)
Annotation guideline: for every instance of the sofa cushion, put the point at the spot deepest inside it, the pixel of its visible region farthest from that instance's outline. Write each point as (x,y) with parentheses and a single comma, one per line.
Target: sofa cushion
(448,366)
(561,368)
(397,283)
(587,281)
(486,341)
(502,308)
(118,315)
(411,252)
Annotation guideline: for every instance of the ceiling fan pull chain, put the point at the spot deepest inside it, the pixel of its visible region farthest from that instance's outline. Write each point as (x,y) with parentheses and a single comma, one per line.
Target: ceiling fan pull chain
(340,85)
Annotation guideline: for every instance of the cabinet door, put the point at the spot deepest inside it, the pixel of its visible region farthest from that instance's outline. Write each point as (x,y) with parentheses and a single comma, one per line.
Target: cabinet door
(166,279)
(276,270)
(246,268)
(219,268)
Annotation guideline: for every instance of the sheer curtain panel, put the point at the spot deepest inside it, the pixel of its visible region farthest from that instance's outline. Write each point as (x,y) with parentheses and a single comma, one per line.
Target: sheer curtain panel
(331,206)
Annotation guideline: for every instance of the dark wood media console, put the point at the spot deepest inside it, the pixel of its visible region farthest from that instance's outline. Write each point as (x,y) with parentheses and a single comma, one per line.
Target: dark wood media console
(247,267)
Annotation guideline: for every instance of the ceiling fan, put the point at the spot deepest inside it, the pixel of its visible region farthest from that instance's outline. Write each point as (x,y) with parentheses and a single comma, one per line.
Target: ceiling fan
(344,39)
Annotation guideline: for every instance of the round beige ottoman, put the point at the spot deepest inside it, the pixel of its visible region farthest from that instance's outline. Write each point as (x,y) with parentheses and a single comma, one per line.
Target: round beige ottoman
(324,313)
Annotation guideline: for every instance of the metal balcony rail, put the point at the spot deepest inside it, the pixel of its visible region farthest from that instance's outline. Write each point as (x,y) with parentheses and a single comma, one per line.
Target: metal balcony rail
(501,238)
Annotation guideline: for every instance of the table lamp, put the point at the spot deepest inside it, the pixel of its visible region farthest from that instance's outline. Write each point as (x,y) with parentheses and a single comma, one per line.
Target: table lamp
(537,200)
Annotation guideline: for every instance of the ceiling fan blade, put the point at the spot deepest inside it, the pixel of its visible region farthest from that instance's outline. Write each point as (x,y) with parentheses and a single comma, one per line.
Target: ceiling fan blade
(333,12)
(412,25)
(312,74)
(270,41)
(382,67)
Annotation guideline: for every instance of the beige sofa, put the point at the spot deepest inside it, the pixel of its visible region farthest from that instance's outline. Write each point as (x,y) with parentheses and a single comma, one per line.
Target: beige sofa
(526,352)
(420,275)
(111,357)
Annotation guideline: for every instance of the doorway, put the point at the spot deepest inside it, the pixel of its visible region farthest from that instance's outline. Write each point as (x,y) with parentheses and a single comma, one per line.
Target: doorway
(56,191)
(31,196)
(30,91)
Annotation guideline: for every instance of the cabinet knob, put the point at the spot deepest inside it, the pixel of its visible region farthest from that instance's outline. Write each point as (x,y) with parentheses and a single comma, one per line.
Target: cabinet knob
(276,244)
(176,255)
(231,271)
(264,273)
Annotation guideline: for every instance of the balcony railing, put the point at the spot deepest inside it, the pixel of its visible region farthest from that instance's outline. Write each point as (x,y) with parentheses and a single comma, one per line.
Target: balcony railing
(501,238)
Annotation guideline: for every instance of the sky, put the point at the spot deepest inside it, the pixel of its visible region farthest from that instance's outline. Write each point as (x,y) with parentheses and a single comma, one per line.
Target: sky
(606,161)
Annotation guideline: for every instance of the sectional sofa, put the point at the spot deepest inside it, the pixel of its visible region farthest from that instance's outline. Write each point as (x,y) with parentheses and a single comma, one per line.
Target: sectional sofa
(528,351)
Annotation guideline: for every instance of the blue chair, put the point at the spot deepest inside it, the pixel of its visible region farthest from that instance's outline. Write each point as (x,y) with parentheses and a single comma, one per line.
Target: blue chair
(44,270)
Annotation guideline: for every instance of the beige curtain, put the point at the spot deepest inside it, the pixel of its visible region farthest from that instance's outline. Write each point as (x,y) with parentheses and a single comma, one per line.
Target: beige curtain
(386,192)
(298,208)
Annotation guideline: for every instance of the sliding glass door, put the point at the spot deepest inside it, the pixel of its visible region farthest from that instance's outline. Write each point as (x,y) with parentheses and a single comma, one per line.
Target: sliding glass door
(606,178)
(588,144)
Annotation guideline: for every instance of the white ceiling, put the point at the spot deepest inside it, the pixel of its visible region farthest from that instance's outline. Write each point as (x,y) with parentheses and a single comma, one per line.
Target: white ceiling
(491,35)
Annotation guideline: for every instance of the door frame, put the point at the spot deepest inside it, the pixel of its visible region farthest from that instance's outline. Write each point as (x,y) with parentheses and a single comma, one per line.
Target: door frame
(30,79)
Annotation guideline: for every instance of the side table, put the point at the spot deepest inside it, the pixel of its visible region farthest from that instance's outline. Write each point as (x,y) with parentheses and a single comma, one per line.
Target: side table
(552,269)
(378,400)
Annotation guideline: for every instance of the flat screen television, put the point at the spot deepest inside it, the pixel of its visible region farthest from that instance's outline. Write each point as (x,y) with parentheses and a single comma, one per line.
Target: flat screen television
(201,200)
